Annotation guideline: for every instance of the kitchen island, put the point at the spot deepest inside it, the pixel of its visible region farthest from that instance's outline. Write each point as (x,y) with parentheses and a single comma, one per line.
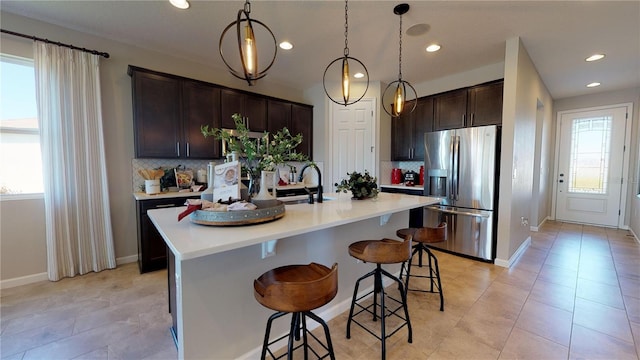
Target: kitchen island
(215,313)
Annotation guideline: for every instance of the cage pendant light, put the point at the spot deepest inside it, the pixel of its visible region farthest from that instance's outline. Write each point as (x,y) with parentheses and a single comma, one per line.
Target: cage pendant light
(395,96)
(247,47)
(349,66)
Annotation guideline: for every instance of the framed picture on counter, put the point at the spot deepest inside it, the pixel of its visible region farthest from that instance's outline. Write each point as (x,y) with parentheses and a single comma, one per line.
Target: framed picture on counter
(226,181)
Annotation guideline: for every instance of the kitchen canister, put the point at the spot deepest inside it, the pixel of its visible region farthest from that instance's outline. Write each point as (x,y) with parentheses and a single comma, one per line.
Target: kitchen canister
(152,186)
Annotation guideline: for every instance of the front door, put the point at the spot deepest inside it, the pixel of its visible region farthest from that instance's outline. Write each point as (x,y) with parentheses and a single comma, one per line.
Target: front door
(590,166)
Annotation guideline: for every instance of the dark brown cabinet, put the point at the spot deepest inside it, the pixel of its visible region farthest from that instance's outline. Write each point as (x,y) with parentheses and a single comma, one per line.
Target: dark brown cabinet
(152,250)
(168,112)
(201,104)
(252,108)
(407,132)
(485,104)
(156,114)
(474,106)
(297,118)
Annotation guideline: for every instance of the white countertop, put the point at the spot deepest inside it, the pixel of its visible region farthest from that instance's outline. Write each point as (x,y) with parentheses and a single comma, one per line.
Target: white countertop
(165,195)
(189,241)
(403,187)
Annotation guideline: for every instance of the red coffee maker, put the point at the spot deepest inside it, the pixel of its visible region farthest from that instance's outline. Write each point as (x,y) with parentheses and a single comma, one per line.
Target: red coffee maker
(421,175)
(396,176)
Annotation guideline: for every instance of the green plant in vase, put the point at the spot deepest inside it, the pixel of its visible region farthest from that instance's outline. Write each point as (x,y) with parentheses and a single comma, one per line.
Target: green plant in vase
(257,155)
(361,186)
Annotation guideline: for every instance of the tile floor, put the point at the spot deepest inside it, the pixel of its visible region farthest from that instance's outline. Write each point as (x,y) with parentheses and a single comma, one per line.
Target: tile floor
(574,294)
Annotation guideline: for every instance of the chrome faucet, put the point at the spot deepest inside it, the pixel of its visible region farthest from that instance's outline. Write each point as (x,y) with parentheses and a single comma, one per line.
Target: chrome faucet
(300,179)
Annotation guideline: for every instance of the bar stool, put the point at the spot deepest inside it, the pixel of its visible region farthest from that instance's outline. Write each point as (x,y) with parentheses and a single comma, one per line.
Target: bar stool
(385,251)
(297,289)
(423,237)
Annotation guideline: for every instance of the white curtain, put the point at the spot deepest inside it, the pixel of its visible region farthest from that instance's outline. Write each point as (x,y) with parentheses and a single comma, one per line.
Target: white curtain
(78,223)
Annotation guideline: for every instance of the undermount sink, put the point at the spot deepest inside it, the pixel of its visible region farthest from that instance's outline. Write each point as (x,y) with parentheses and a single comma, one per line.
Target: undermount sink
(305,200)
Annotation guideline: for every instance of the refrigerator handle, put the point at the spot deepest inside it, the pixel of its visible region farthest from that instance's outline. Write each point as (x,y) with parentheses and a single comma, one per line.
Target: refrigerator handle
(456,168)
(452,178)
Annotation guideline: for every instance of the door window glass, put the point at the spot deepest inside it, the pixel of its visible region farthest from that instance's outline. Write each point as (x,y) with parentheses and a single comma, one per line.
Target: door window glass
(589,159)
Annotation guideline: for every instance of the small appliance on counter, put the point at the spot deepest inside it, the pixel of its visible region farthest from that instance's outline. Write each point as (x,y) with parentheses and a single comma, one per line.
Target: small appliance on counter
(410,178)
(396,176)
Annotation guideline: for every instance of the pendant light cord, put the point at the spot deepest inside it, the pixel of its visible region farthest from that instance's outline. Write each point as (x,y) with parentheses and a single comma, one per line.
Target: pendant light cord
(346,28)
(247,7)
(400,55)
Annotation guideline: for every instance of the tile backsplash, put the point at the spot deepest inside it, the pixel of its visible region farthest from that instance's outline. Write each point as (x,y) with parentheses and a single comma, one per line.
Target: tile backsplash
(310,176)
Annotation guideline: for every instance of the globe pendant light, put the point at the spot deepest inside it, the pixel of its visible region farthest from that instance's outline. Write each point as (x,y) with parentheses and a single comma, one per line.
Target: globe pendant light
(345,95)
(397,90)
(247,47)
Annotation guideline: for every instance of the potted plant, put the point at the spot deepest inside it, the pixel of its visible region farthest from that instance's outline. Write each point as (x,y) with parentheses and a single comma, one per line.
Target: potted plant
(262,155)
(361,186)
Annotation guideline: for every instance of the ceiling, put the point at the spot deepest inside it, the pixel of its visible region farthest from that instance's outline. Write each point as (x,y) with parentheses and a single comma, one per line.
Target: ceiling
(558,35)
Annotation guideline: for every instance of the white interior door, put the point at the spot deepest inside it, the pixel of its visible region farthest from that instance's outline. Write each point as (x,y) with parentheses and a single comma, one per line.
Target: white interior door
(590,166)
(352,144)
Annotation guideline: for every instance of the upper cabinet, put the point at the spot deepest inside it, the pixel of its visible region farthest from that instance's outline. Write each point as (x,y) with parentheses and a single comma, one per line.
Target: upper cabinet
(485,104)
(253,109)
(201,104)
(168,112)
(156,114)
(407,132)
(474,106)
(295,117)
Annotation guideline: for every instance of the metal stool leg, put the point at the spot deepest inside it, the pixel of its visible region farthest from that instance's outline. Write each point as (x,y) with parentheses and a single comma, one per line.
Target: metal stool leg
(265,344)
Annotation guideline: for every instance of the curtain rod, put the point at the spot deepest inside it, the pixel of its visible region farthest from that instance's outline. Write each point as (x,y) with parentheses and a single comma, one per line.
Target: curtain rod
(34,38)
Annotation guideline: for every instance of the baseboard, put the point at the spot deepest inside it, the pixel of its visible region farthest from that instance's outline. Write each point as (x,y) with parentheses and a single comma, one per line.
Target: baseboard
(30,279)
(635,236)
(23,280)
(507,263)
(537,228)
(126,259)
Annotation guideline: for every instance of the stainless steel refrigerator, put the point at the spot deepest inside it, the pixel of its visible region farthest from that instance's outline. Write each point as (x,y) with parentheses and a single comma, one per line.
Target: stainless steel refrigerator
(461,168)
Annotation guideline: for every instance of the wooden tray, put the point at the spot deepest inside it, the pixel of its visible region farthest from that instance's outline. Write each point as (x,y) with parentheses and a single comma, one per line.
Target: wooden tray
(238,218)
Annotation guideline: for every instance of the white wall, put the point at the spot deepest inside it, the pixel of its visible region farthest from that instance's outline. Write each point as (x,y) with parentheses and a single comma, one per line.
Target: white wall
(118,130)
(523,89)
(632,211)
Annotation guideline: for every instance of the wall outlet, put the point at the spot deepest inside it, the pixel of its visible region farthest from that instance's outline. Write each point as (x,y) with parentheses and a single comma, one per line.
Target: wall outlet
(524,221)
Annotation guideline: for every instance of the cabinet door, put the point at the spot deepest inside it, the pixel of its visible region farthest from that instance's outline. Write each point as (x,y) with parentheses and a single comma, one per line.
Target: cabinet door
(279,116)
(201,104)
(152,250)
(422,118)
(231,102)
(402,137)
(255,110)
(485,104)
(302,123)
(450,110)
(156,115)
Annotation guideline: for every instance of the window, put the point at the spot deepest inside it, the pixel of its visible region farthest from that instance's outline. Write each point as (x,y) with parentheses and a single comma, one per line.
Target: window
(20,157)
(590,153)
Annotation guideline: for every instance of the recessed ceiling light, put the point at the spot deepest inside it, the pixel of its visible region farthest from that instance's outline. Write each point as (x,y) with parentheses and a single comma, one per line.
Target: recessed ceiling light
(594,57)
(180,4)
(358,75)
(593,84)
(285,45)
(433,48)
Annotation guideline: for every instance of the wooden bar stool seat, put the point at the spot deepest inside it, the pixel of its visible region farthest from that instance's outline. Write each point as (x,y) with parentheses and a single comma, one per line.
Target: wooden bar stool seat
(297,289)
(385,251)
(422,237)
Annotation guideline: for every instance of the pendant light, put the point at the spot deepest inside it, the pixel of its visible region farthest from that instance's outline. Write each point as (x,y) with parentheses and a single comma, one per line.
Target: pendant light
(347,70)
(395,95)
(247,46)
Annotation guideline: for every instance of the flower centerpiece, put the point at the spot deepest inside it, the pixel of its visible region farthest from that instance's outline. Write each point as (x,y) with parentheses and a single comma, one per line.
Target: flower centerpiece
(257,155)
(361,186)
